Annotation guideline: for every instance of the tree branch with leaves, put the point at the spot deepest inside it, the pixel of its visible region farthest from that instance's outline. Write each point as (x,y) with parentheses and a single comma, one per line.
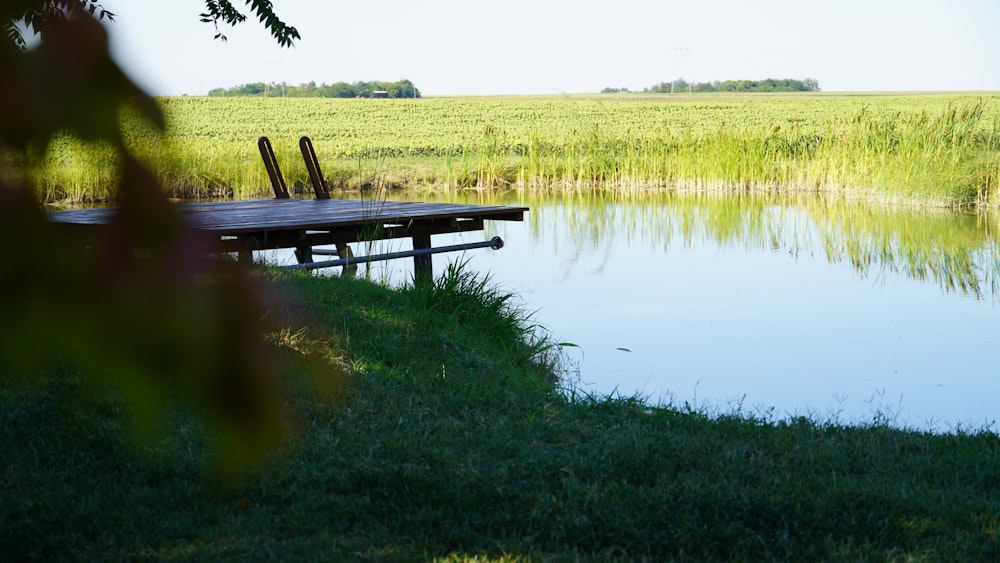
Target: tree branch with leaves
(223,11)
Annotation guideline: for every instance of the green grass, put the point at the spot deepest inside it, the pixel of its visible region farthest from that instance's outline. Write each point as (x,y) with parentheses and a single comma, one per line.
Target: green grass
(452,442)
(938,149)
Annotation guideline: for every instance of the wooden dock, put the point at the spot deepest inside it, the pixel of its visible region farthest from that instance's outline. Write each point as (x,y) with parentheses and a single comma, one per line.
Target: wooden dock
(246,226)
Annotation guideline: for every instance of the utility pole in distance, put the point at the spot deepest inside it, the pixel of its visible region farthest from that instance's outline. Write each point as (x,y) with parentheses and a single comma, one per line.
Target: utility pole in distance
(685,50)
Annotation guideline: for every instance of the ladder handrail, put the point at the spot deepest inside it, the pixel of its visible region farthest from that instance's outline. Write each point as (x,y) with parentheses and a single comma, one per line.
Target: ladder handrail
(312,165)
(273,171)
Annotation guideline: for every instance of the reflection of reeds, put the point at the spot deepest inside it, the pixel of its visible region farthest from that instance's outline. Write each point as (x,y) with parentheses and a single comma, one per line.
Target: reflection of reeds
(957,251)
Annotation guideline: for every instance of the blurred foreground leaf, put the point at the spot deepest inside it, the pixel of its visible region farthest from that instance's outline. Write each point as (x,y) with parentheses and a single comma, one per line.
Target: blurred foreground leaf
(169,326)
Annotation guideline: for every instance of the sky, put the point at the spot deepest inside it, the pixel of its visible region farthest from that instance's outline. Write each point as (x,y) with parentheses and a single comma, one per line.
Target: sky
(450,47)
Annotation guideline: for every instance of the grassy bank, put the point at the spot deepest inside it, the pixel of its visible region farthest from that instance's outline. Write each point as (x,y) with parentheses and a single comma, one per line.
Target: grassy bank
(452,442)
(938,149)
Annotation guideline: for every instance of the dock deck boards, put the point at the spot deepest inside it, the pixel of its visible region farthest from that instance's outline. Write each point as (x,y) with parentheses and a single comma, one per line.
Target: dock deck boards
(251,216)
(247,225)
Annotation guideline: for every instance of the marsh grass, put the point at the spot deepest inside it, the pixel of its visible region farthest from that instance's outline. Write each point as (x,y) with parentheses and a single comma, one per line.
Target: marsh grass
(935,150)
(944,159)
(77,171)
(453,444)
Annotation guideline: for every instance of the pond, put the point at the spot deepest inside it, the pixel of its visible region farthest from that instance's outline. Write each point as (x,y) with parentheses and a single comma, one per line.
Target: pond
(765,305)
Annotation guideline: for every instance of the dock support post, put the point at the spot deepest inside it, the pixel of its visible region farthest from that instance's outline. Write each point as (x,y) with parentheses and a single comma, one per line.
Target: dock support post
(423,267)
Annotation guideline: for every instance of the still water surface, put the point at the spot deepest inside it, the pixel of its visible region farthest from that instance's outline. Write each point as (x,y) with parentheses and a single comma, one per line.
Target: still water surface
(771,306)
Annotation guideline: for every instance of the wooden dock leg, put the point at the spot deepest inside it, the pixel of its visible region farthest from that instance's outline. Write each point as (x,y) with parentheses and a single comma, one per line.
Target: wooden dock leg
(423,268)
(245,249)
(344,251)
(303,254)
(303,250)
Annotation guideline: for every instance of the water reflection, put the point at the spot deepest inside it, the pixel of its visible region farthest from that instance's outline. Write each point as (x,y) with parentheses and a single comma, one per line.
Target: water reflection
(956,250)
(774,305)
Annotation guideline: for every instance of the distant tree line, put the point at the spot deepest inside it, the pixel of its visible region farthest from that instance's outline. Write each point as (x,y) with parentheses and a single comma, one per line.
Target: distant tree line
(768,85)
(402,89)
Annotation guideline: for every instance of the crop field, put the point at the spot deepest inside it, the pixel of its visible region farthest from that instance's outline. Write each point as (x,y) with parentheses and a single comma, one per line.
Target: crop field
(930,148)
